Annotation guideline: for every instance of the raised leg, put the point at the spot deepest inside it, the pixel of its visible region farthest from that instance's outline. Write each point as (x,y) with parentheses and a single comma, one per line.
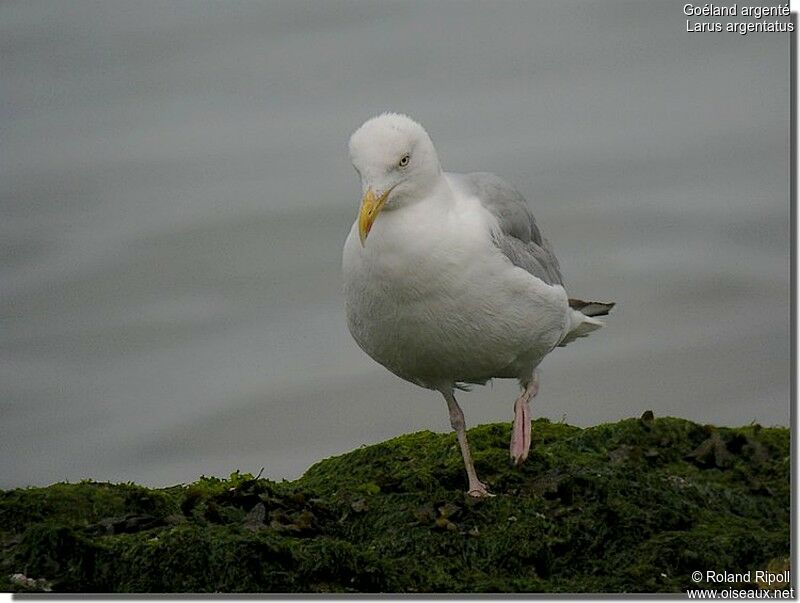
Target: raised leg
(521,430)
(476,487)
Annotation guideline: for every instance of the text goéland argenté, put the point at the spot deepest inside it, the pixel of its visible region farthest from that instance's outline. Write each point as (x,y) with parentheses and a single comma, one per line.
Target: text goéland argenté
(734,10)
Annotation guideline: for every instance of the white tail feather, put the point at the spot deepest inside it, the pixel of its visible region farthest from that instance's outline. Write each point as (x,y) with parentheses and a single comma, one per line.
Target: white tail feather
(582,325)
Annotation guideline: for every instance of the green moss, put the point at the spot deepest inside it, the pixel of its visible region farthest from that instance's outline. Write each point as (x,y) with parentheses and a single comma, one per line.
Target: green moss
(633,506)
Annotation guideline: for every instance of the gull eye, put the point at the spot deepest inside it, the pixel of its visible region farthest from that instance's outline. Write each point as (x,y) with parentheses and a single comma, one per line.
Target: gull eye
(404,161)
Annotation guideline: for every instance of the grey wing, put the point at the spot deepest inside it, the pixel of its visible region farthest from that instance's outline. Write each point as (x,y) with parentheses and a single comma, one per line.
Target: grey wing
(519,238)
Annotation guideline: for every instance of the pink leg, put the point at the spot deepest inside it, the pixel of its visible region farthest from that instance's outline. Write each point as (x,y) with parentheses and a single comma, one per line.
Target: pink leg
(476,487)
(521,430)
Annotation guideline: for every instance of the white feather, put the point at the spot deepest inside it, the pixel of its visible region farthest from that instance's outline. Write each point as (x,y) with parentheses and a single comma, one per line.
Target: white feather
(429,295)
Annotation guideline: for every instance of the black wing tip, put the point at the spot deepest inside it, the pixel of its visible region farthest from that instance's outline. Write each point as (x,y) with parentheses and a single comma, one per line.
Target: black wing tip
(592,308)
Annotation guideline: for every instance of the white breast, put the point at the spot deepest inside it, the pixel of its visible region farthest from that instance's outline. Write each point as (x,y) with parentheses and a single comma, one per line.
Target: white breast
(433,300)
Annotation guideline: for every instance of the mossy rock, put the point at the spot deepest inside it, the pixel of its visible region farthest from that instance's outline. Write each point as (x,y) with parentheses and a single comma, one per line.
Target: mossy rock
(633,506)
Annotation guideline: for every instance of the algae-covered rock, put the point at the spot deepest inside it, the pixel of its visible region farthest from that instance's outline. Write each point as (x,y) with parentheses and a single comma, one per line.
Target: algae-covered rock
(634,506)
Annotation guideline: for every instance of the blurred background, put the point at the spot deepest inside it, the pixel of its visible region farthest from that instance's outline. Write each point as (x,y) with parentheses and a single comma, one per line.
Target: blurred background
(175,192)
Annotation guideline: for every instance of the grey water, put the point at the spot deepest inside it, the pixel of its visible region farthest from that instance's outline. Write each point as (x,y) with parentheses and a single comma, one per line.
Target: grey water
(175,192)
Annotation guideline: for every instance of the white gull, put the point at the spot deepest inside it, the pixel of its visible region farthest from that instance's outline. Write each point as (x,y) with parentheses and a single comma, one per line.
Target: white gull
(448,280)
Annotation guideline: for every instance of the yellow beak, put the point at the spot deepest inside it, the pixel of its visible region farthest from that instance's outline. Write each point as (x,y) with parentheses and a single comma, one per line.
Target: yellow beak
(370,208)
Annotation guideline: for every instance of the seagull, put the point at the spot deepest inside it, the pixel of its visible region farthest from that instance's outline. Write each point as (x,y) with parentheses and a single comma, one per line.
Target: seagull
(447,278)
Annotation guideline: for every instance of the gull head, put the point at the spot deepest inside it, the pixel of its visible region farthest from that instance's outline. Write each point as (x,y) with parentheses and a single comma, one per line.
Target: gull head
(397,164)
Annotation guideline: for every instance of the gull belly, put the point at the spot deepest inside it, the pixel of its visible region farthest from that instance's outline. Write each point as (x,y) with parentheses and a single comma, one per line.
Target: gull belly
(432,299)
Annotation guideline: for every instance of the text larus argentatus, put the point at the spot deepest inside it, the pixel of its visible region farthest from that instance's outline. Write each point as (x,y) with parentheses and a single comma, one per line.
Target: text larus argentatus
(448,279)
